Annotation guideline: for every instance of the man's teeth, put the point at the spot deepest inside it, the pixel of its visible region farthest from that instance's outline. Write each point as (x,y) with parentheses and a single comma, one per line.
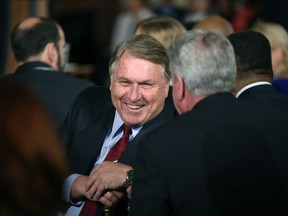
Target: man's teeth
(134,106)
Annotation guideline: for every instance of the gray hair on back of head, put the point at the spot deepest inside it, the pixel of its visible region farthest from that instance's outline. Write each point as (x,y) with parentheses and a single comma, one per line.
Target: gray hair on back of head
(205,60)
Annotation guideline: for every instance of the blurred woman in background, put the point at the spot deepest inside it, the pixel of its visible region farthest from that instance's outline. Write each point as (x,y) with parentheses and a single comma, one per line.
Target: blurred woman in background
(278,38)
(33,166)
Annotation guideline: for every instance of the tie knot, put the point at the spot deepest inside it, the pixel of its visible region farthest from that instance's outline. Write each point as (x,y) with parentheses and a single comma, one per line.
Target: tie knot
(126,130)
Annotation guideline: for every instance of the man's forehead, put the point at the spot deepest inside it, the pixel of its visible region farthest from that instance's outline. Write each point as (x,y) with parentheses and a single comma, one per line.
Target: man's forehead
(129,56)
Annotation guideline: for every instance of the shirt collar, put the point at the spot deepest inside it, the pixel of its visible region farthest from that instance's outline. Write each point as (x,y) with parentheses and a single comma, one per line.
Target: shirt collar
(33,65)
(250,86)
(118,122)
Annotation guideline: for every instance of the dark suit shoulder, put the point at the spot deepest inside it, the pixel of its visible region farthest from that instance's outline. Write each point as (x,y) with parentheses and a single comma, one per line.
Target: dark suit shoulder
(94,99)
(95,93)
(75,81)
(90,102)
(265,95)
(56,90)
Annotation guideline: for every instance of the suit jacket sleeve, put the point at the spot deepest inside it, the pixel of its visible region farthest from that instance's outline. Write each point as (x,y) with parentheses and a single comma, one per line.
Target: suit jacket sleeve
(149,181)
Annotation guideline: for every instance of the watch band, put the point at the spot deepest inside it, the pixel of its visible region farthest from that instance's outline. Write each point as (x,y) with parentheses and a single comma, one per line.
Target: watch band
(129,179)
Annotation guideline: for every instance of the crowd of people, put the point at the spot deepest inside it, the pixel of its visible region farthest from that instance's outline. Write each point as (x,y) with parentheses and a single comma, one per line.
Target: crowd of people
(193,122)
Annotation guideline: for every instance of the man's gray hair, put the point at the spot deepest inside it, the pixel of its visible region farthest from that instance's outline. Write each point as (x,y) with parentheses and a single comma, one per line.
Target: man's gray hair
(143,47)
(205,60)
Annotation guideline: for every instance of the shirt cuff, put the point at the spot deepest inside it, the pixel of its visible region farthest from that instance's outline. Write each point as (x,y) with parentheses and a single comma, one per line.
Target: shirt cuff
(66,190)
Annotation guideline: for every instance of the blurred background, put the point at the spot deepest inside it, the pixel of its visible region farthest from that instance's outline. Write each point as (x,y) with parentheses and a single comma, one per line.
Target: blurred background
(89,24)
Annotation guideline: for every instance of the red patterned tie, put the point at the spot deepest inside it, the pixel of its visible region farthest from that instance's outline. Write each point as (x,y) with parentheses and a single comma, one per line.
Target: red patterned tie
(89,207)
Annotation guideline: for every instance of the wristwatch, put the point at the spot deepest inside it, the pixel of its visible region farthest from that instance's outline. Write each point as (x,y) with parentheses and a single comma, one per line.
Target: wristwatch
(129,179)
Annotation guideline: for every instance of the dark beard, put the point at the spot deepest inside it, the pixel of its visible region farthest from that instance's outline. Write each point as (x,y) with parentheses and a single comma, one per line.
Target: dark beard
(60,65)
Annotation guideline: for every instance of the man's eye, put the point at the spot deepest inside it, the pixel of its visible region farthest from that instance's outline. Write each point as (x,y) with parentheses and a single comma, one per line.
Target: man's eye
(124,82)
(146,85)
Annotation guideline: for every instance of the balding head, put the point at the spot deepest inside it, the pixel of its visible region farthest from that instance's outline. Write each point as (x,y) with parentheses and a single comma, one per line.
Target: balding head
(30,38)
(28,23)
(215,23)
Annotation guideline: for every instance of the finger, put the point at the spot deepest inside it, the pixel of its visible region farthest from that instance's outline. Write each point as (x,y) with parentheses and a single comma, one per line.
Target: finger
(111,197)
(93,189)
(106,202)
(88,185)
(118,194)
(96,191)
(91,180)
(99,192)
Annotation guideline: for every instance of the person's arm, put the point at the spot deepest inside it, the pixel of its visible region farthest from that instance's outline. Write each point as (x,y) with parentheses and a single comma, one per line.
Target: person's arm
(74,189)
(106,176)
(149,189)
(74,192)
(78,189)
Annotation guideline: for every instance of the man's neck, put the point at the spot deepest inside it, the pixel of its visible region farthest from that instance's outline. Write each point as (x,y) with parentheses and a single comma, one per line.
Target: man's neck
(242,82)
(38,58)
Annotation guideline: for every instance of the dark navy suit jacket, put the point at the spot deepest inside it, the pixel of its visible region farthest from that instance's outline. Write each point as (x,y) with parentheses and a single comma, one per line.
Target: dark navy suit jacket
(224,157)
(55,89)
(265,95)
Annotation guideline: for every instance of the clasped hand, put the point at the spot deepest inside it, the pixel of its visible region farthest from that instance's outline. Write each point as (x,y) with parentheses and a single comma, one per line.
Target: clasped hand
(105,181)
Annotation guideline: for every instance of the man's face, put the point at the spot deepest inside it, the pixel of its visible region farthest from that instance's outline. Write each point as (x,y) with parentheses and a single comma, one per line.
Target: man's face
(138,89)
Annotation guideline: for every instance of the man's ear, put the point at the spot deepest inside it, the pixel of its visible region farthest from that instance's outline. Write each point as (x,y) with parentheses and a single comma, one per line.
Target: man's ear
(178,88)
(51,55)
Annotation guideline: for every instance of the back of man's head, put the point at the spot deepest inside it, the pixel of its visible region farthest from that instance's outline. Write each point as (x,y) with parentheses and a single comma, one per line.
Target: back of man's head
(29,37)
(216,23)
(205,61)
(253,55)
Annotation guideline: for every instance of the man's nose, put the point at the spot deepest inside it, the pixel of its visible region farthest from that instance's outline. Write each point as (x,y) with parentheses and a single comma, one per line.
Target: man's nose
(135,93)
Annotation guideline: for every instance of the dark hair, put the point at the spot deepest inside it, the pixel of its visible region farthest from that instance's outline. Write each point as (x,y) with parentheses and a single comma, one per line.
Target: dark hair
(31,41)
(253,53)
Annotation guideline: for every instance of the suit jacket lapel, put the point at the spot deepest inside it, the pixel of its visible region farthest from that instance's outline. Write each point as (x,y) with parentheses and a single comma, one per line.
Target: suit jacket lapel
(94,137)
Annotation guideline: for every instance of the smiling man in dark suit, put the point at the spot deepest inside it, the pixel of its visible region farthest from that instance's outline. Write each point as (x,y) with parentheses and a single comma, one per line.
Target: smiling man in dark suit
(140,76)
(220,156)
